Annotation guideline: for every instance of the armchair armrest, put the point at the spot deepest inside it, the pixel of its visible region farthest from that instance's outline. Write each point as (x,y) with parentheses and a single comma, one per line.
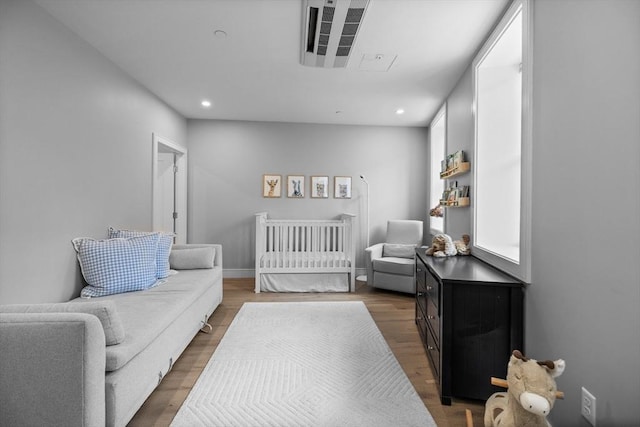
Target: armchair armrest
(371,253)
(52,369)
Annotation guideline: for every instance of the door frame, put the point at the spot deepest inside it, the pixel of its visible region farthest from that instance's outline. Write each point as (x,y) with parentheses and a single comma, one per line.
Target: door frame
(165,145)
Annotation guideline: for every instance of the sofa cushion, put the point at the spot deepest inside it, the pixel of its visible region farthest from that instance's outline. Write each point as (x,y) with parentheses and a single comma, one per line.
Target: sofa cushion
(192,258)
(394,265)
(117,265)
(164,248)
(146,314)
(105,311)
(398,250)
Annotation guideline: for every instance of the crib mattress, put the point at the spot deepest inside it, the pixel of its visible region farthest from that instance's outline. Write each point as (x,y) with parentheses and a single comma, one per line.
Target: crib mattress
(304,282)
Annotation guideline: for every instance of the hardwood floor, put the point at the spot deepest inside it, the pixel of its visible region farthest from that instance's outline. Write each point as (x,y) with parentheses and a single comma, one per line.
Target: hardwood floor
(393,313)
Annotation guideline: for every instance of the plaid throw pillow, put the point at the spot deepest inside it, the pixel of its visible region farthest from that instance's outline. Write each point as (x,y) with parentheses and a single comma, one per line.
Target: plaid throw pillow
(117,265)
(164,248)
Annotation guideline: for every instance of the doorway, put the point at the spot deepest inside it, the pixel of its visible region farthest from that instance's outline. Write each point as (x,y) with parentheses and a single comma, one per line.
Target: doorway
(169,188)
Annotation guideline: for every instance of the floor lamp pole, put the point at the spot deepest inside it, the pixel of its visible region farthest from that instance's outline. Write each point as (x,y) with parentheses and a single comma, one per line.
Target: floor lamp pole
(363,278)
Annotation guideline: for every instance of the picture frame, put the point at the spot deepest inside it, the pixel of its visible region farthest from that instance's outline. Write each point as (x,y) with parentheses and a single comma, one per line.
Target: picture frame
(295,186)
(271,185)
(319,187)
(342,187)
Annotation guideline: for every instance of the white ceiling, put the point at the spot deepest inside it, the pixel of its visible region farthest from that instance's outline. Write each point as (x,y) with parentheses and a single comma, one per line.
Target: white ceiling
(255,72)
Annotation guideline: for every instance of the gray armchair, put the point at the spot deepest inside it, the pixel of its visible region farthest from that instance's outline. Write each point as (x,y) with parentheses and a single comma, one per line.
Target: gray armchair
(391,265)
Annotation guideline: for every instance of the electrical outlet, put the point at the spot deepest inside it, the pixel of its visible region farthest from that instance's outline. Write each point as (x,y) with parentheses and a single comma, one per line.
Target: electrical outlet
(588,406)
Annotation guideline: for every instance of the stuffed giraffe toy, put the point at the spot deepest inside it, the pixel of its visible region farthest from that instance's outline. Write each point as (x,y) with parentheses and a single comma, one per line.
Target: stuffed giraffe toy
(530,395)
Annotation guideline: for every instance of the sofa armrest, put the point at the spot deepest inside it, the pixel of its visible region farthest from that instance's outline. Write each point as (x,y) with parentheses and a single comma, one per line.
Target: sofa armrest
(371,253)
(52,369)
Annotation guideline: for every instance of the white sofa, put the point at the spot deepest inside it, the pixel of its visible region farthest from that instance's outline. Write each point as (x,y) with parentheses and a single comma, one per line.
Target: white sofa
(56,368)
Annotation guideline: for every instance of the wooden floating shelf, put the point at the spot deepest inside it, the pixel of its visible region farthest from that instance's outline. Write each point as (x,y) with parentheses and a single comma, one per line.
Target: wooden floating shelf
(459,170)
(460,202)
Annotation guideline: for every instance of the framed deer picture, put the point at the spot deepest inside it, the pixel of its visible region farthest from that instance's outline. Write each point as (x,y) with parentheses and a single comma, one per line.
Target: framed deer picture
(295,186)
(271,185)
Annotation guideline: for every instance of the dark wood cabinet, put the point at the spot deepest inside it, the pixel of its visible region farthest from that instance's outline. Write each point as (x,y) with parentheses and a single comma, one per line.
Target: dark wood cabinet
(469,315)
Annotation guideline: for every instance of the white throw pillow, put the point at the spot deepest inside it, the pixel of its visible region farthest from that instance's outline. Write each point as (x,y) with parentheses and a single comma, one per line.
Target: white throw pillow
(192,258)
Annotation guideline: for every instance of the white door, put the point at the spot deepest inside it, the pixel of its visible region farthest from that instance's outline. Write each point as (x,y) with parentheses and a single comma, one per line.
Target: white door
(166,179)
(169,188)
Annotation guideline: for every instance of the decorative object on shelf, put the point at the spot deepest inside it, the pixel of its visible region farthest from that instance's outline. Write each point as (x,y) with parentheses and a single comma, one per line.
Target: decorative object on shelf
(271,185)
(532,385)
(295,186)
(319,187)
(462,246)
(437,211)
(342,187)
(455,196)
(442,246)
(454,165)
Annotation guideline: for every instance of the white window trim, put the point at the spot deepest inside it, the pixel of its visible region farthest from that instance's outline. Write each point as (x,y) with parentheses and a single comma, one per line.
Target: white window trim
(441,112)
(521,270)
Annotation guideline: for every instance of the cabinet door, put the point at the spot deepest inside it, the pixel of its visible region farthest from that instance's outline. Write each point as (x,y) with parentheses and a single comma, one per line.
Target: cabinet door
(481,325)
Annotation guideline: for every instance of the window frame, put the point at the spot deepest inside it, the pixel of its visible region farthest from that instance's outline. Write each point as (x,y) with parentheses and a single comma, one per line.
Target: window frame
(522,269)
(435,175)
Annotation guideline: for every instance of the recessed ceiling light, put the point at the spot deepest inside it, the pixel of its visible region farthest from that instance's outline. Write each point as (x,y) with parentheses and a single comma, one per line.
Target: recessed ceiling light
(400,111)
(220,34)
(205,103)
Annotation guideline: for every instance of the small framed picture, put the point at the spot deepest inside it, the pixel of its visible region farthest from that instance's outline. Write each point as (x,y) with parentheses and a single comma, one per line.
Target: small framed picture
(271,185)
(342,187)
(320,187)
(295,186)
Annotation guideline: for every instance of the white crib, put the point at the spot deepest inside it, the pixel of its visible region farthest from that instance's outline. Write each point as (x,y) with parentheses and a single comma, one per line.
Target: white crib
(305,255)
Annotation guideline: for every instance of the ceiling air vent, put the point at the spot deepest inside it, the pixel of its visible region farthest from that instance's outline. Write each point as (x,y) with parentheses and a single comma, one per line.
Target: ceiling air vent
(329,31)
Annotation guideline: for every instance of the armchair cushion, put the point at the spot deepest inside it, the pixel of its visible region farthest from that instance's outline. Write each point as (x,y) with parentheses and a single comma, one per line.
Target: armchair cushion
(399,250)
(394,265)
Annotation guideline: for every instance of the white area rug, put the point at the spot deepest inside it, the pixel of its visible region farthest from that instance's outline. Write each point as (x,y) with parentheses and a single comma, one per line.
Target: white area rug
(303,364)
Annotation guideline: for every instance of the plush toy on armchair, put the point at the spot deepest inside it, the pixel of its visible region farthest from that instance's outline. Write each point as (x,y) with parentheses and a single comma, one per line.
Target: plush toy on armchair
(530,395)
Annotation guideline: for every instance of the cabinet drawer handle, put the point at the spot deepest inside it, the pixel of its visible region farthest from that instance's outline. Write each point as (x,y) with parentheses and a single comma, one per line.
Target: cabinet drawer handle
(420,294)
(418,317)
(429,288)
(431,317)
(430,348)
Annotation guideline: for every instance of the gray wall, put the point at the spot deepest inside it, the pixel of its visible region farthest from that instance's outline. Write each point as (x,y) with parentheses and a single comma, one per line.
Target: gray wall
(227,160)
(460,128)
(583,302)
(75,152)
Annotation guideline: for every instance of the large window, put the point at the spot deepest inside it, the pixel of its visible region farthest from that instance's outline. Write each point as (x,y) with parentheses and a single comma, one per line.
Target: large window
(501,199)
(437,141)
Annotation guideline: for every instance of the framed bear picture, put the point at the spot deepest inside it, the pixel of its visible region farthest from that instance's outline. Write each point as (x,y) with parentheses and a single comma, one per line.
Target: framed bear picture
(342,187)
(319,187)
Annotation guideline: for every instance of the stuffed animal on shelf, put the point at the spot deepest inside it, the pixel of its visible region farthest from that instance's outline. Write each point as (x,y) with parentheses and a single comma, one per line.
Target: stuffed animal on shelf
(442,246)
(462,246)
(530,395)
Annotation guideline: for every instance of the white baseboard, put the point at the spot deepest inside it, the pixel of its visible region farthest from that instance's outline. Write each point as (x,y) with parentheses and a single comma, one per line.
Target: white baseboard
(235,273)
